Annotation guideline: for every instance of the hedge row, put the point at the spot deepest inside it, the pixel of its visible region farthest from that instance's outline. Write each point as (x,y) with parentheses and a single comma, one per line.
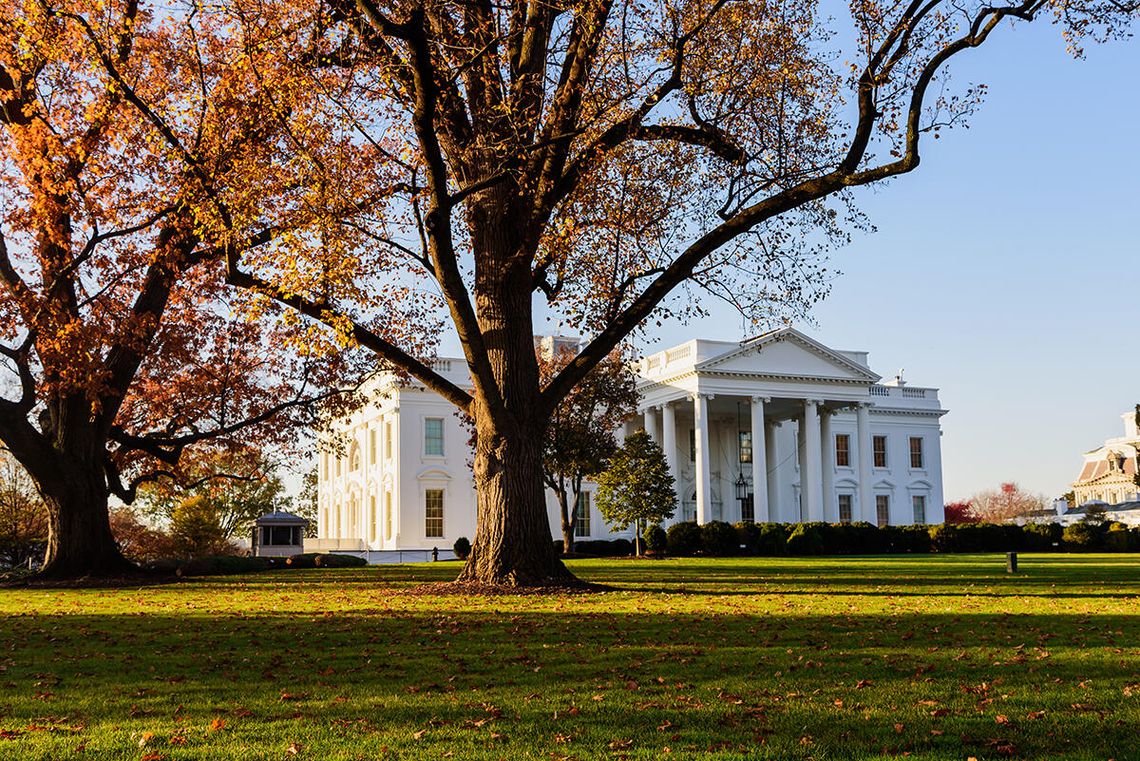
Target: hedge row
(720,539)
(215,565)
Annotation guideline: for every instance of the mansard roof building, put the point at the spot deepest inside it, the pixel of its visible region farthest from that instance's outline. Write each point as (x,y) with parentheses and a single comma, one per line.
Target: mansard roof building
(1109,471)
(775,428)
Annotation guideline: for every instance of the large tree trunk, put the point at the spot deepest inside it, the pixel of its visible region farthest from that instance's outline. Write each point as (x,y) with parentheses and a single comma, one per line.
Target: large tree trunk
(80,542)
(513,544)
(68,472)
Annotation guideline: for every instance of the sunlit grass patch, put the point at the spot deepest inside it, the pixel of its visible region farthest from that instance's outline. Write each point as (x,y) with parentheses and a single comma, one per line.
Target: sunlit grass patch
(935,656)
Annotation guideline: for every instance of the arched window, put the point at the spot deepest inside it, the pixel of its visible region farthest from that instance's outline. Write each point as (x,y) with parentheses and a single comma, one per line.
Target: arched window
(354,459)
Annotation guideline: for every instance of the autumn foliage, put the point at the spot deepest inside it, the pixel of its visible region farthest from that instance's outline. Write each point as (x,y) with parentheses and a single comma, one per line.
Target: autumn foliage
(121,345)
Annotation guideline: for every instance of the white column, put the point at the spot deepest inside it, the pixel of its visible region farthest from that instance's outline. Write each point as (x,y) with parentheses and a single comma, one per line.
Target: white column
(651,423)
(771,449)
(830,506)
(863,447)
(811,470)
(759,461)
(704,485)
(669,444)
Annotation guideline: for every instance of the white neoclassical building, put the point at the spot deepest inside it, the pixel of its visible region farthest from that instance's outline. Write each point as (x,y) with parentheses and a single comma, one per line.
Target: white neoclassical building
(775,428)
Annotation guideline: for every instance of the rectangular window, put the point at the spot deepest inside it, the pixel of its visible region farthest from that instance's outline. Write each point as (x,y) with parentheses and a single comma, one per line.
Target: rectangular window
(745,445)
(433,513)
(433,436)
(692,445)
(916,452)
(844,508)
(919,503)
(372,516)
(280,536)
(748,509)
(582,515)
(387,515)
(388,440)
(372,446)
(842,450)
(879,449)
(882,509)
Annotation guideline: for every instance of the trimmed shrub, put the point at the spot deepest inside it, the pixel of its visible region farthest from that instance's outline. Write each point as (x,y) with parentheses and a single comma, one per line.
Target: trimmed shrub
(1083,536)
(805,539)
(683,539)
(339,561)
(977,537)
(719,539)
(772,539)
(603,548)
(655,538)
(307,560)
(866,539)
(220,565)
(462,548)
(944,538)
(748,537)
(1041,537)
(915,539)
(1117,538)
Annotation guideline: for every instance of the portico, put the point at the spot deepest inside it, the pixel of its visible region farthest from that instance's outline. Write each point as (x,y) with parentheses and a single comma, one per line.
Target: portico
(780,427)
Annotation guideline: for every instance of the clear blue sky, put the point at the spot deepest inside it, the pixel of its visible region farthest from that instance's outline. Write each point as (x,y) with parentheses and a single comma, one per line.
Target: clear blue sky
(1004,270)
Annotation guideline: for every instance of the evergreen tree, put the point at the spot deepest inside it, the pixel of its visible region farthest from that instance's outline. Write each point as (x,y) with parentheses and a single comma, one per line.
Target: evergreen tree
(637,487)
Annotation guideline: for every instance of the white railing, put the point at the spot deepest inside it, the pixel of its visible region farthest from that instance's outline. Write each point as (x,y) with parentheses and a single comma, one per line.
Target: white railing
(679,353)
(905,392)
(653,362)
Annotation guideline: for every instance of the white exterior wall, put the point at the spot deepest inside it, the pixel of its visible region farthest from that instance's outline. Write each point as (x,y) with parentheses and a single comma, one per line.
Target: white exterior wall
(784,367)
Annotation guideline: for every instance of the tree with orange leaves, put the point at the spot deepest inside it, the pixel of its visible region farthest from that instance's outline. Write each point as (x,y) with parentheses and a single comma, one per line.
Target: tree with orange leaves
(604,160)
(121,347)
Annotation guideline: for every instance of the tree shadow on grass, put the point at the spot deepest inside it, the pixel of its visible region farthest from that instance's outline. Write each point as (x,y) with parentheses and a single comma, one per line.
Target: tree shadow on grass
(793,685)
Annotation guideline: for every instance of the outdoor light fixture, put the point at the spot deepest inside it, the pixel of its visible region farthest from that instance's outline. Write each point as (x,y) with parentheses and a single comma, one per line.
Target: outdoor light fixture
(741,484)
(741,487)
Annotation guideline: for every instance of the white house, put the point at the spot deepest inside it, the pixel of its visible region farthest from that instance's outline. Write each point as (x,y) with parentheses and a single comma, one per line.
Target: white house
(775,428)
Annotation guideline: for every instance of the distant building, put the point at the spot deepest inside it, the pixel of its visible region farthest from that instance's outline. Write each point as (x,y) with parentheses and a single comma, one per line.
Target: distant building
(775,428)
(1109,471)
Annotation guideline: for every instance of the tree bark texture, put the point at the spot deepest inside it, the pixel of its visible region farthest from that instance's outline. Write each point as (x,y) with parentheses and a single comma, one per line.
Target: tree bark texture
(513,544)
(70,476)
(80,542)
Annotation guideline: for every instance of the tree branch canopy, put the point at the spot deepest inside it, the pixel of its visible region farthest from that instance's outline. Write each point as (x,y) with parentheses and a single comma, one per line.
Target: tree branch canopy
(599,162)
(599,139)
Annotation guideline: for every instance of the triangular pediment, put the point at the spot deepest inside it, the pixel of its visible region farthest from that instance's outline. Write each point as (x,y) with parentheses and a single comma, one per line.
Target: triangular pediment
(788,353)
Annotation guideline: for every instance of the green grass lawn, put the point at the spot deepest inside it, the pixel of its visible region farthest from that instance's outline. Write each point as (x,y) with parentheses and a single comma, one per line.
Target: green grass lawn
(931,656)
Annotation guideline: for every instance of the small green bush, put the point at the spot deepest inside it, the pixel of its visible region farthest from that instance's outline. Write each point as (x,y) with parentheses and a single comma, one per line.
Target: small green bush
(603,548)
(1084,536)
(719,539)
(1117,538)
(805,539)
(1041,537)
(772,539)
(224,565)
(748,537)
(339,561)
(462,548)
(655,538)
(683,539)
